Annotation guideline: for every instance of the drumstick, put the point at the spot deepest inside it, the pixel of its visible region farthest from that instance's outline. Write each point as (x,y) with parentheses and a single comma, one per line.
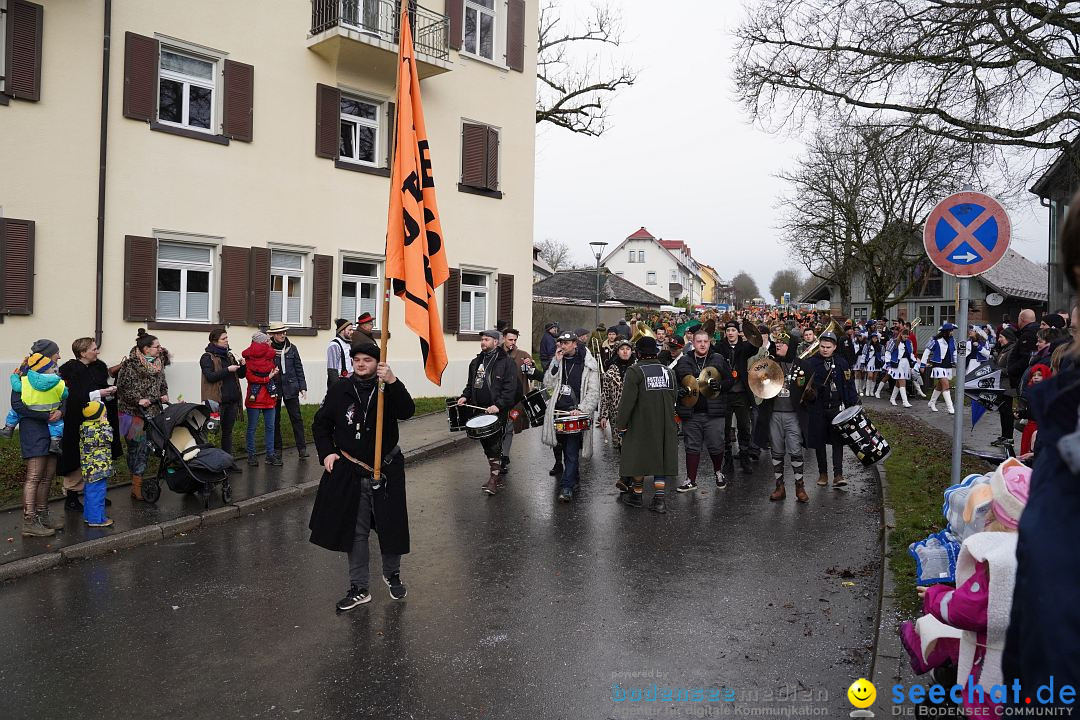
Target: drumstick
(474,407)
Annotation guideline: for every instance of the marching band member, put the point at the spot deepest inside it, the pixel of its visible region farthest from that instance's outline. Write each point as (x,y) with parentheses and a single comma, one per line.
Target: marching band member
(737,352)
(574,380)
(859,367)
(607,349)
(493,385)
(846,349)
(675,350)
(704,423)
(527,372)
(978,348)
(809,334)
(611,390)
(644,412)
(898,356)
(828,389)
(875,363)
(785,421)
(940,355)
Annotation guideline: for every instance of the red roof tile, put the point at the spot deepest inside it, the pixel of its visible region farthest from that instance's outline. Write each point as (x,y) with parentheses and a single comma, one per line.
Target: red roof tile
(641,234)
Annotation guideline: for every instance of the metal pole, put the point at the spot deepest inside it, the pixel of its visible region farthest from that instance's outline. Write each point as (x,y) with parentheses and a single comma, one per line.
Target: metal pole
(961,366)
(596,320)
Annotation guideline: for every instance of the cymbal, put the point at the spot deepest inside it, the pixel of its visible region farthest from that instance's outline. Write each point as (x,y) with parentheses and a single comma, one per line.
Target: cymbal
(766,378)
(750,332)
(691,398)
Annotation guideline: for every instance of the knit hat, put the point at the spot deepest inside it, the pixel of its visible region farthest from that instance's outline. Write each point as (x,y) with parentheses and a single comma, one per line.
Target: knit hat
(46,347)
(548,326)
(1010,484)
(493,334)
(731,324)
(1054,320)
(38,362)
(93,410)
(260,337)
(1009,334)
(646,347)
(1043,368)
(366,348)
(342,324)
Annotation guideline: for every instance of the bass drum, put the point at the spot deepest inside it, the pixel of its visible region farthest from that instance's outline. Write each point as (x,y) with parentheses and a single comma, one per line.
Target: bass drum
(535,407)
(861,436)
(484,426)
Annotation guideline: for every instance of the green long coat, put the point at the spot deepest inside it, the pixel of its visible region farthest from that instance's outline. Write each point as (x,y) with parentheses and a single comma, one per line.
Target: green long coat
(647,412)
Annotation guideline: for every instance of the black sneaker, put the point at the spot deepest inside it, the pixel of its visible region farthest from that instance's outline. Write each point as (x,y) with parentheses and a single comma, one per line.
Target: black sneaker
(632,499)
(721,481)
(999,442)
(253,461)
(304,454)
(505,461)
(397,589)
(566,495)
(355,596)
(274,460)
(556,470)
(687,486)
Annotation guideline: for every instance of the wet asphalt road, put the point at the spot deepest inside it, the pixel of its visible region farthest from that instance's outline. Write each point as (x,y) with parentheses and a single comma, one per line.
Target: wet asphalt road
(518,607)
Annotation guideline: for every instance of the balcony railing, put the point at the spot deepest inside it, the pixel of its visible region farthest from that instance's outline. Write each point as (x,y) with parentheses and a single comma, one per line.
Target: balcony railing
(430,30)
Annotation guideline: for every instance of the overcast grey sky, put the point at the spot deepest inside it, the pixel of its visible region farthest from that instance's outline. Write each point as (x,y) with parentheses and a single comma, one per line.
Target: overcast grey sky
(680,157)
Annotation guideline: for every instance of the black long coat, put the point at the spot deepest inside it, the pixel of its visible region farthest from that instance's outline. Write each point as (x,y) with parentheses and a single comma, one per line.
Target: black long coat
(821,409)
(333,516)
(82,379)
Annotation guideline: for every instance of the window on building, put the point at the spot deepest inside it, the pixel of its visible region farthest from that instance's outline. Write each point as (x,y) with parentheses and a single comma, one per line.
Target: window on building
(650,278)
(860,312)
(926,314)
(286,287)
(479,30)
(360,121)
(633,256)
(948,314)
(360,289)
(480,157)
(928,281)
(674,276)
(474,302)
(641,256)
(183,281)
(619,273)
(186,86)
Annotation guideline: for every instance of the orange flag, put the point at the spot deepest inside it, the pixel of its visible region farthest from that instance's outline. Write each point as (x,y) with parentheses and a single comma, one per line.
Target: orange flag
(415,254)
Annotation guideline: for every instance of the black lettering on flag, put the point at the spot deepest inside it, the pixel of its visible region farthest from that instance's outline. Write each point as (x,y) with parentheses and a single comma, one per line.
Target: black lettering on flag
(428,275)
(411,185)
(425,164)
(434,242)
(412,230)
(424,347)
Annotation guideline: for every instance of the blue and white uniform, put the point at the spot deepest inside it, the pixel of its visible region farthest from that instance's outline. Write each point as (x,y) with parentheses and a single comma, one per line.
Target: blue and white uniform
(898,355)
(940,354)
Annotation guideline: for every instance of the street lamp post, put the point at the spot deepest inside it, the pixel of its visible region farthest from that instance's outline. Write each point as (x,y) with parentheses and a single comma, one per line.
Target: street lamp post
(598,250)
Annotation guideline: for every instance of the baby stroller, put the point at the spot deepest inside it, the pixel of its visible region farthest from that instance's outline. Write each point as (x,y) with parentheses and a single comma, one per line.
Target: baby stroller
(189,463)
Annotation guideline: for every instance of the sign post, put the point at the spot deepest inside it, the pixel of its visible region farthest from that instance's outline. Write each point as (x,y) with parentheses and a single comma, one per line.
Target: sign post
(965,235)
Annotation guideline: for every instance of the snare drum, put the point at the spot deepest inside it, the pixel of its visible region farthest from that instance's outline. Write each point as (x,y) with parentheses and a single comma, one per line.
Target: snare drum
(458,415)
(861,436)
(572,424)
(483,426)
(535,407)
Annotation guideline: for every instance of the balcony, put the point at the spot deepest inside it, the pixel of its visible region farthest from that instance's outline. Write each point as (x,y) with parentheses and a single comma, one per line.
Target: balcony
(363,34)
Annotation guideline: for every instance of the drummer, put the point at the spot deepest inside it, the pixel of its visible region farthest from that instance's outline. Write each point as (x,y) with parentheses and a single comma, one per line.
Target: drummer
(493,385)
(527,372)
(574,381)
(828,389)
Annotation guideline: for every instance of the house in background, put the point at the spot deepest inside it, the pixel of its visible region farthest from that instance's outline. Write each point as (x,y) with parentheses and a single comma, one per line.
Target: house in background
(569,298)
(663,267)
(1056,187)
(1021,282)
(541,269)
(710,283)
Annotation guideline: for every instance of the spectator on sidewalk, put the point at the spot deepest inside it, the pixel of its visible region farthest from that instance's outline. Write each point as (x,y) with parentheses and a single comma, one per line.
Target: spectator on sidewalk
(293,384)
(1006,347)
(37,406)
(95,445)
(548,345)
(337,353)
(261,396)
(141,389)
(221,373)
(1044,632)
(87,380)
(365,330)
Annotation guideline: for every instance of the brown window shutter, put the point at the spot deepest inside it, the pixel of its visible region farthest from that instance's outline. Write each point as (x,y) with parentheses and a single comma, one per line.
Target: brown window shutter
(140,278)
(506,299)
(492,163)
(322,292)
(258,286)
(327,121)
(391,133)
(23,50)
(16,266)
(140,77)
(473,164)
(452,302)
(234,286)
(239,122)
(515,35)
(455,12)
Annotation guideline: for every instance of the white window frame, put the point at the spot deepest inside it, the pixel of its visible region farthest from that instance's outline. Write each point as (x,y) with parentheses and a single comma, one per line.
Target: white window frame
(286,273)
(377,124)
(376,280)
(479,9)
(184,267)
(633,256)
(641,256)
(473,290)
(650,278)
(215,61)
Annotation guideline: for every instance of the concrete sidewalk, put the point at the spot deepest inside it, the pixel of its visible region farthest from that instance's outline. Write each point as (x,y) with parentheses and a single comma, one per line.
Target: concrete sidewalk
(141,522)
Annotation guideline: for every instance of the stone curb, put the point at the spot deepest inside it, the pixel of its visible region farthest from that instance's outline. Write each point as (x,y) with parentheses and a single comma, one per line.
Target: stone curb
(171,528)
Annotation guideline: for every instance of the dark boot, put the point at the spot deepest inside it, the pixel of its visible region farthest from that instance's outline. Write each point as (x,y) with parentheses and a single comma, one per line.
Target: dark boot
(658,504)
(823,479)
(622,484)
(136,487)
(71,502)
(800,493)
(779,493)
(632,499)
(492,485)
(556,470)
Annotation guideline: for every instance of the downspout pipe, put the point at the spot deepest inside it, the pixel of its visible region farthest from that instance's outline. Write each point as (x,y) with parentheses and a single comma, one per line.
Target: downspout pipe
(99,287)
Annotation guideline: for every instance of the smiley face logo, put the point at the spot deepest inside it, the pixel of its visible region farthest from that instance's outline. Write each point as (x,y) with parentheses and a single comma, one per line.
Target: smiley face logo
(862,693)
